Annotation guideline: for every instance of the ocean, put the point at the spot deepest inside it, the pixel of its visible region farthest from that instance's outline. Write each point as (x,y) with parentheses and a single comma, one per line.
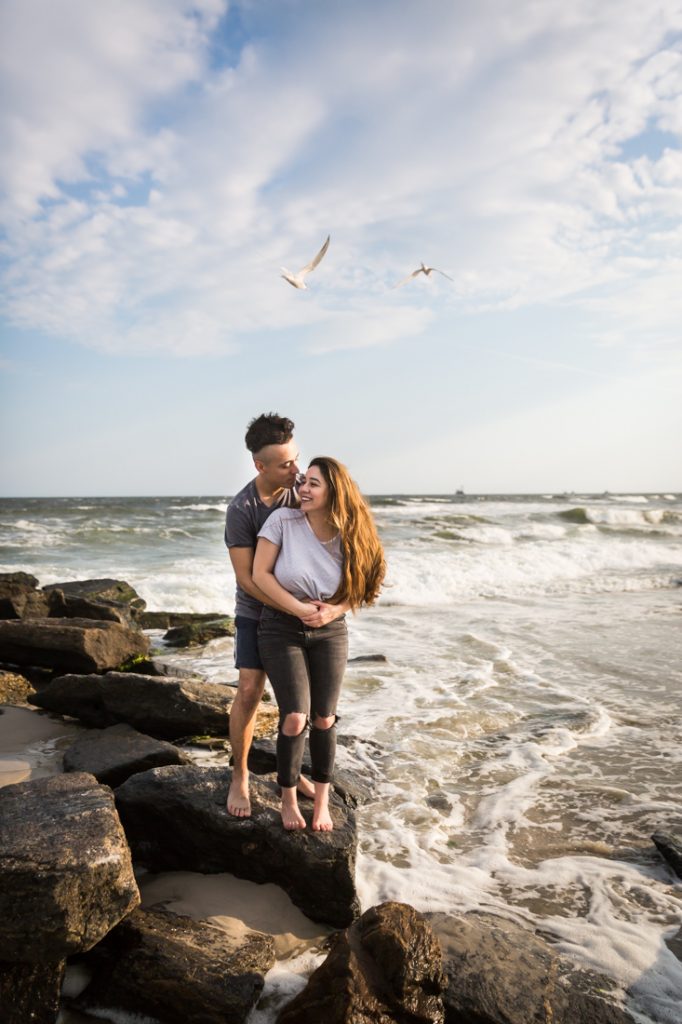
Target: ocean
(525,729)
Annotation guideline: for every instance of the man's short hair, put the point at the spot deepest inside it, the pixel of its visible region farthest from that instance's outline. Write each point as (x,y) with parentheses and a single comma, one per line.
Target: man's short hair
(268,428)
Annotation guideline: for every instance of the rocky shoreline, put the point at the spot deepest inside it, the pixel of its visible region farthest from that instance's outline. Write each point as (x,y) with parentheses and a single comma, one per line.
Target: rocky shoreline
(131,799)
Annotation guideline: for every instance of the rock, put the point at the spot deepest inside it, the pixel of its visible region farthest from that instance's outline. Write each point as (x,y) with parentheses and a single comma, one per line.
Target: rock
(19,577)
(177,970)
(164,620)
(176,820)
(670,849)
(19,597)
(14,688)
(66,877)
(385,969)
(112,755)
(73,606)
(78,645)
(107,590)
(500,972)
(162,706)
(353,789)
(29,993)
(193,633)
(378,658)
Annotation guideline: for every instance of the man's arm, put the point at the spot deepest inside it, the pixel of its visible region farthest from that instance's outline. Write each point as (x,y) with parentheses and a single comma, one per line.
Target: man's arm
(242,563)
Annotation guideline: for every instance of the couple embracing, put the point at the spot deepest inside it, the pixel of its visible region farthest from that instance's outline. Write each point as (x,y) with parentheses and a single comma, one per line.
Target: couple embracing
(305,551)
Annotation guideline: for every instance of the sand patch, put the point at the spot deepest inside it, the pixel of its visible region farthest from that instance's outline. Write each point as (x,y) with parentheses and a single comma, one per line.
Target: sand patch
(32,743)
(236,906)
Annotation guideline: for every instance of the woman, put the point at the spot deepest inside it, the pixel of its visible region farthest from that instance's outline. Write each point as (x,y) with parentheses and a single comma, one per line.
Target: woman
(315,563)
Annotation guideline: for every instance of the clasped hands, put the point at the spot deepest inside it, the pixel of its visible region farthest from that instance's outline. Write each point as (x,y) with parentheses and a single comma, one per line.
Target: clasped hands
(320,614)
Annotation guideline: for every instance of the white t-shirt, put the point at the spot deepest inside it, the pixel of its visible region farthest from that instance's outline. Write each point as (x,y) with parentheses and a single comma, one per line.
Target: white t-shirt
(307,567)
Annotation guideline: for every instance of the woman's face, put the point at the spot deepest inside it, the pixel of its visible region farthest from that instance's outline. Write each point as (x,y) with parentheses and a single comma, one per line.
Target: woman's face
(314,491)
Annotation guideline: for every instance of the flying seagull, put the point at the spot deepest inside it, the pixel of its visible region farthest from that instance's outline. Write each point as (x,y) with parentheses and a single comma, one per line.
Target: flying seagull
(297,279)
(422,270)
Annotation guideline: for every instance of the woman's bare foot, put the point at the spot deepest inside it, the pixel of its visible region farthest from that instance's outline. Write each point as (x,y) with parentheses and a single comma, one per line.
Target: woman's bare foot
(305,787)
(292,819)
(238,802)
(322,819)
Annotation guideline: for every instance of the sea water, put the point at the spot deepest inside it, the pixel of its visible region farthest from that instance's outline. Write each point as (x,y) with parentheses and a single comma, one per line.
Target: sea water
(524,731)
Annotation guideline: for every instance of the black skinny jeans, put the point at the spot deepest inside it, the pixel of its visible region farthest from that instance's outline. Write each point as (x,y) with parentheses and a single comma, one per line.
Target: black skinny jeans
(305,667)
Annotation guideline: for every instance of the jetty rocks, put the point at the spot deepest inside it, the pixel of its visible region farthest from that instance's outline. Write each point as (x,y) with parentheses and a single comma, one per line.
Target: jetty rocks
(387,967)
(175,820)
(167,707)
(66,879)
(176,970)
(500,972)
(67,873)
(112,755)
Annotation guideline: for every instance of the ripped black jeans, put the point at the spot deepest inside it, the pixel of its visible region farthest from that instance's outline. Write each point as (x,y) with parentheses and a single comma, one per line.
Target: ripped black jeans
(305,667)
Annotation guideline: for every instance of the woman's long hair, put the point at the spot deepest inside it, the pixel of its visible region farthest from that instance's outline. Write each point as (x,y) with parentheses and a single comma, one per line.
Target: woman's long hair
(363,566)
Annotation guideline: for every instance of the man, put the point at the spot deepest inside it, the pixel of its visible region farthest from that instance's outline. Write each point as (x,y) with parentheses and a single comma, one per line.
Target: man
(269,438)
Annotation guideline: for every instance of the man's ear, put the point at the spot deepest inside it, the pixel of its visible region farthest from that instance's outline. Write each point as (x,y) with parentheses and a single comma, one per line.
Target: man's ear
(260,466)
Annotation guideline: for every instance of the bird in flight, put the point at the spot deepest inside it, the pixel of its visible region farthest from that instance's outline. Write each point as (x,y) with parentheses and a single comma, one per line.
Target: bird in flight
(422,270)
(297,279)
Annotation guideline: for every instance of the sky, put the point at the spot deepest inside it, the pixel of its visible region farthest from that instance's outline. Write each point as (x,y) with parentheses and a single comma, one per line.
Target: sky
(163,160)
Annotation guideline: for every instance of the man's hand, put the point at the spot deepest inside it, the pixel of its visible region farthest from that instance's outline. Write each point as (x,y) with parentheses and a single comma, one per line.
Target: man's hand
(321,613)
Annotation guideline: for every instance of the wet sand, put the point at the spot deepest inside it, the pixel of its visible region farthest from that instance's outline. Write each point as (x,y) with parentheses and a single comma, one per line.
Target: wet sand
(32,743)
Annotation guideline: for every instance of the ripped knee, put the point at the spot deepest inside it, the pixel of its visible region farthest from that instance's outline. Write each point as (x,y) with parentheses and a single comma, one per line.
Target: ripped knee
(324,723)
(293,724)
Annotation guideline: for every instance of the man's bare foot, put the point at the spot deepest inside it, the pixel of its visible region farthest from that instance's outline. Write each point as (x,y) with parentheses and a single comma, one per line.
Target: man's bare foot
(305,787)
(238,802)
(292,818)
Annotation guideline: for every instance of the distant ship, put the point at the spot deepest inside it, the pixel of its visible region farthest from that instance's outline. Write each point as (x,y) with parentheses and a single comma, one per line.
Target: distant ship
(459,493)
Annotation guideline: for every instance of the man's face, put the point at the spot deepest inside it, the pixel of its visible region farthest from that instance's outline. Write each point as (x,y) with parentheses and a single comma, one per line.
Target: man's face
(278,464)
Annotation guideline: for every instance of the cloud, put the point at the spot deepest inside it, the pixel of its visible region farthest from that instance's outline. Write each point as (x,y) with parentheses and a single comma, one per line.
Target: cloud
(152,193)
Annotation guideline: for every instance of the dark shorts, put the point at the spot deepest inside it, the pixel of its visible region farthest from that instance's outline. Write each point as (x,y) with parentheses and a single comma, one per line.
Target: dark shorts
(246,643)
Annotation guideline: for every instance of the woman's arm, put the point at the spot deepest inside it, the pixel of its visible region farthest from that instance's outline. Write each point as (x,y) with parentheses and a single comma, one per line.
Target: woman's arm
(264,578)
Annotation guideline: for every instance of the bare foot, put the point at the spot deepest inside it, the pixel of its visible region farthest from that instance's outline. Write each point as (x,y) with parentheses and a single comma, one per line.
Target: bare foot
(292,819)
(322,820)
(305,787)
(238,802)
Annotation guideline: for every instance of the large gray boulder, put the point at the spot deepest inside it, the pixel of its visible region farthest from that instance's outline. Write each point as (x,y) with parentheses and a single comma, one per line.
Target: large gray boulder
(176,820)
(112,755)
(73,606)
(163,706)
(101,590)
(19,596)
(29,993)
(385,969)
(66,876)
(77,645)
(177,970)
(500,972)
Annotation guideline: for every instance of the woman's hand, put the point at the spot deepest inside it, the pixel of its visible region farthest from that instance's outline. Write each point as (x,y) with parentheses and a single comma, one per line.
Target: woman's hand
(320,613)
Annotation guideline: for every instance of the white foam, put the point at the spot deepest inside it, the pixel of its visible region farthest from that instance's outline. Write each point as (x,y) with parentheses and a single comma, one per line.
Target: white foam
(200,507)
(282,982)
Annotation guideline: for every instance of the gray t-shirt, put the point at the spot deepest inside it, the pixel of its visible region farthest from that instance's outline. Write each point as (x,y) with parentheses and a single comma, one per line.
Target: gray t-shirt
(307,567)
(246,513)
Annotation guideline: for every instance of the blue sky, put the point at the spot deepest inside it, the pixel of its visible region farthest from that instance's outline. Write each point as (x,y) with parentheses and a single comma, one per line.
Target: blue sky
(164,159)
